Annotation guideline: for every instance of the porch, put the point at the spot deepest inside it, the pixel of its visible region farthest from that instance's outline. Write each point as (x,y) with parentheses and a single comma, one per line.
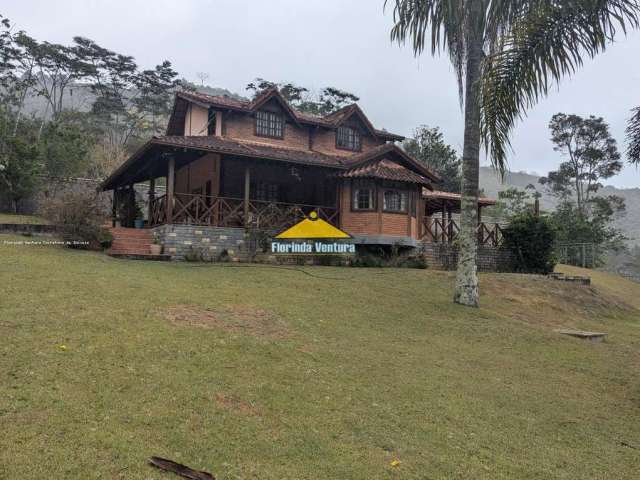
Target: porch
(203,210)
(440,224)
(216,189)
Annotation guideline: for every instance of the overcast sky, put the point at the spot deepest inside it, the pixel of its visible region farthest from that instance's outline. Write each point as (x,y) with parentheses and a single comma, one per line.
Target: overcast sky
(318,43)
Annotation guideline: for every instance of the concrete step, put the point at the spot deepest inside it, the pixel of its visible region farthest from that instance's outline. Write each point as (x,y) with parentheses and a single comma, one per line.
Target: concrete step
(139,256)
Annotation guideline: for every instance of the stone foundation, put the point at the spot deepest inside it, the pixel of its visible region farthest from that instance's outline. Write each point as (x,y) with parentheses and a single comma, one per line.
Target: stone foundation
(201,243)
(441,256)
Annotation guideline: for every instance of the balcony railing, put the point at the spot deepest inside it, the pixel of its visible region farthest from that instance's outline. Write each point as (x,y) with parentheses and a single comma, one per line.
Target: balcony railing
(231,212)
(437,230)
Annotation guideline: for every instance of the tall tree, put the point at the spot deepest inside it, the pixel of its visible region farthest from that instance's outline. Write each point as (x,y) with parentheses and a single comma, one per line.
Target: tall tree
(505,54)
(428,146)
(20,165)
(329,100)
(591,156)
(633,137)
(52,69)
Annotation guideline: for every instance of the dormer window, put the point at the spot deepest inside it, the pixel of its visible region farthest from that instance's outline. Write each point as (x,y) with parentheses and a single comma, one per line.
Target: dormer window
(348,138)
(269,124)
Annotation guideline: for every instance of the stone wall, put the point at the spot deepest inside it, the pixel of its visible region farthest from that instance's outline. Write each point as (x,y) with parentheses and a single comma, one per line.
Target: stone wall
(190,242)
(445,257)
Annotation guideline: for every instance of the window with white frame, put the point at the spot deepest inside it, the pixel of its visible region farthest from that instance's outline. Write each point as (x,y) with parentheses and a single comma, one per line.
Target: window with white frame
(363,197)
(269,124)
(395,201)
(348,138)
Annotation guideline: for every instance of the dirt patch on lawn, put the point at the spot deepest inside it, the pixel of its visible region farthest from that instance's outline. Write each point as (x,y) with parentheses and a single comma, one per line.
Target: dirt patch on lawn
(543,301)
(235,404)
(240,319)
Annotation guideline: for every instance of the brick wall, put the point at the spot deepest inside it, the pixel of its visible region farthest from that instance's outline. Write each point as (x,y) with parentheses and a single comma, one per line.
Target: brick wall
(204,243)
(324,141)
(241,126)
(374,223)
(445,257)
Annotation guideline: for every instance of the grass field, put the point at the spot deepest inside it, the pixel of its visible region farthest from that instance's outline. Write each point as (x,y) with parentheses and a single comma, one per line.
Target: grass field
(22,219)
(309,373)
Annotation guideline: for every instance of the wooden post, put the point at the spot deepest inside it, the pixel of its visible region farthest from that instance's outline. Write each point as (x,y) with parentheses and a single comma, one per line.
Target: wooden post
(171,173)
(380,205)
(339,202)
(247,187)
(410,201)
(151,195)
(449,225)
(114,208)
(131,200)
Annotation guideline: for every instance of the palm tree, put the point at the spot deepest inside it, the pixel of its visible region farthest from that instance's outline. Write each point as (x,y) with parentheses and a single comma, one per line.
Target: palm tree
(633,137)
(506,55)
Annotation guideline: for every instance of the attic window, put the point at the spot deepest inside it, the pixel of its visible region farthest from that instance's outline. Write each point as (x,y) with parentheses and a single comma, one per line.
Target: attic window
(348,138)
(269,124)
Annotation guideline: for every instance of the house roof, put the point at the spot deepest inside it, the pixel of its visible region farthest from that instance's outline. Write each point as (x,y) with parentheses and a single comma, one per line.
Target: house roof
(332,120)
(150,153)
(386,170)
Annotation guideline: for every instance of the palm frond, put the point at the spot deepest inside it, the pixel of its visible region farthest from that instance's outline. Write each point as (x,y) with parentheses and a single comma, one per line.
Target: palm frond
(549,42)
(435,23)
(633,137)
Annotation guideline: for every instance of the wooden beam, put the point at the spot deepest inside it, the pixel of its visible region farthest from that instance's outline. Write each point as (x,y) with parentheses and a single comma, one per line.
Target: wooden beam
(171,173)
(247,187)
(380,202)
(410,201)
(114,207)
(151,195)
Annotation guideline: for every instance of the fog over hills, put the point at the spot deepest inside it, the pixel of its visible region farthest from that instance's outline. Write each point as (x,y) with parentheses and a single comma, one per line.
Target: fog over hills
(630,223)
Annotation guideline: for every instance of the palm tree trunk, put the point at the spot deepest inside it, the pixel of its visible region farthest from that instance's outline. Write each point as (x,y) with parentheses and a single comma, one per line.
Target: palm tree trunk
(466,290)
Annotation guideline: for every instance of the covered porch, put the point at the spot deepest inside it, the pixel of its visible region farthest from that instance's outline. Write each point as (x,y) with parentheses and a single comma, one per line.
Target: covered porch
(440,223)
(221,188)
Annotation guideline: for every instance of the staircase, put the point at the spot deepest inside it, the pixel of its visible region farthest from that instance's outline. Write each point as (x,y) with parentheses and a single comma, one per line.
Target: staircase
(133,243)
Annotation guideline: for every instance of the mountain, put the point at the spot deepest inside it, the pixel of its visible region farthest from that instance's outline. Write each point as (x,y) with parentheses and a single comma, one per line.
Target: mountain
(629,223)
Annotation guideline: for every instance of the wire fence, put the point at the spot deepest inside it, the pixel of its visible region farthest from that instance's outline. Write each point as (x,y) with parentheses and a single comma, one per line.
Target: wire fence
(585,255)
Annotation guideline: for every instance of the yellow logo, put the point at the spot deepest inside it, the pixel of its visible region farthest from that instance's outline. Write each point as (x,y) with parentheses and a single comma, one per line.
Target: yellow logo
(313,227)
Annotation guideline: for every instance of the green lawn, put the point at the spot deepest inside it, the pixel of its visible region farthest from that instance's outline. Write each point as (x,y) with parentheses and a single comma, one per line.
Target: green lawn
(309,373)
(22,219)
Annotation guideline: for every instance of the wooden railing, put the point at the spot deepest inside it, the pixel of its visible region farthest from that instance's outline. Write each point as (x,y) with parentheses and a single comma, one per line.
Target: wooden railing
(437,230)
(230,212)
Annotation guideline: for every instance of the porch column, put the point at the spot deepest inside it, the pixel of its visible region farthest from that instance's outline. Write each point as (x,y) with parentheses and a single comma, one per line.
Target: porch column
(131,204)
(114,207)
(151,196)
(171,171)
(247,186)
(449,225)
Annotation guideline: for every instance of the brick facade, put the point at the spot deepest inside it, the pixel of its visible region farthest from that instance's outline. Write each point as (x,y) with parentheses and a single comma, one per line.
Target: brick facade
(376,222)
(241,126)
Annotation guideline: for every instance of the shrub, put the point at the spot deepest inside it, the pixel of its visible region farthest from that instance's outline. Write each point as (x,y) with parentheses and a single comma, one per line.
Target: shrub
(531,239)
(80,218)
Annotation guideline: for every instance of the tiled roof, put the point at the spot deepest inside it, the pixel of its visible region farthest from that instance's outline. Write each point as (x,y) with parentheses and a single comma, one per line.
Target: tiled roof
(356,165)
(456,197)
(386,170)
(252,149)
(329,121)
(391,150)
